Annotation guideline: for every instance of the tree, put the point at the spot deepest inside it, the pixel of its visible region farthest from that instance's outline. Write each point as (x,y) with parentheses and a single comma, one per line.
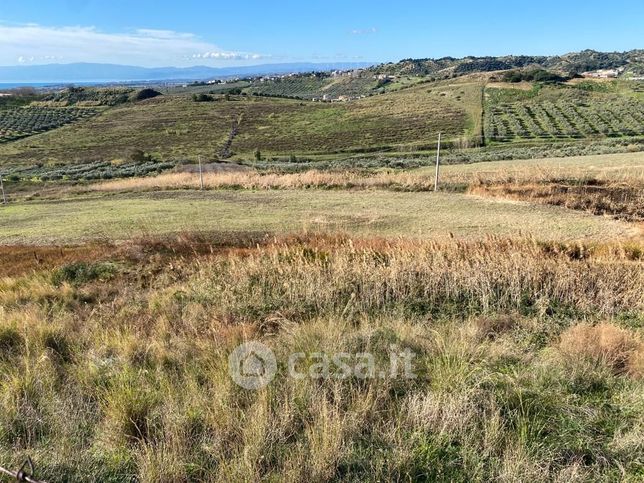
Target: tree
(258,155)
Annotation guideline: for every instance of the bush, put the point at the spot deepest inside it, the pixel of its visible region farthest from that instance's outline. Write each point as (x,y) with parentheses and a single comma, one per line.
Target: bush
(144,94)
(535,75)
(202,98)
(81,272)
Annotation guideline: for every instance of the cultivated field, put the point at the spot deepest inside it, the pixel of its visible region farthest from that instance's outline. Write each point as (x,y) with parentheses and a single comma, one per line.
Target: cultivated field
(561,113)
(27,121)
(177,128)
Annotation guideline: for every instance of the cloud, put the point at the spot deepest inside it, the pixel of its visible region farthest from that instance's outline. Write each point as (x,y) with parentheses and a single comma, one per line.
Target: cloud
(36,44)
(368,31)
(229,56)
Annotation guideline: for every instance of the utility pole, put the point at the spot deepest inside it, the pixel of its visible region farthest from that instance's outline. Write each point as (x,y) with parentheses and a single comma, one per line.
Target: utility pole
(4,196)
(200,175)
(438,162)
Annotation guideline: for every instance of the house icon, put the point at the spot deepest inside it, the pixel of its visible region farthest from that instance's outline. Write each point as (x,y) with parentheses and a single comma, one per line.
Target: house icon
(252,365)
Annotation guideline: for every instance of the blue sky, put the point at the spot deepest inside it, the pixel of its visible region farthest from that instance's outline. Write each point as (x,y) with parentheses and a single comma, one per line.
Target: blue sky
(223,33)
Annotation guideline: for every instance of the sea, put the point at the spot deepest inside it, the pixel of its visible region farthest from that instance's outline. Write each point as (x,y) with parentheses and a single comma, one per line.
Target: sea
(60,85)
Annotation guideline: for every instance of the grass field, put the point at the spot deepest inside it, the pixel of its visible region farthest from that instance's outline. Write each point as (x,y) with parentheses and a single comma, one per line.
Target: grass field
(177,128)
(386,213)
(528,361)
(390,203)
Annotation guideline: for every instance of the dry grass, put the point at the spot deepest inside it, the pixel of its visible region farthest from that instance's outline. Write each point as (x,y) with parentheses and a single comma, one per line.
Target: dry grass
(610,169)
(620,200)
(255,180)
(18,260)
(127,378)
(620,349)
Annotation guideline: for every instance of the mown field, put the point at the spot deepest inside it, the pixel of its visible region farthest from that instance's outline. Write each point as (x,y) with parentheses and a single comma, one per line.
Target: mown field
(387,213)
(498,198)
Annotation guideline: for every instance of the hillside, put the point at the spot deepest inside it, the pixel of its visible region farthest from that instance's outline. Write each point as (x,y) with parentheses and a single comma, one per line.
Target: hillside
(88,133)
(174,127)
(570,64)
(579,111)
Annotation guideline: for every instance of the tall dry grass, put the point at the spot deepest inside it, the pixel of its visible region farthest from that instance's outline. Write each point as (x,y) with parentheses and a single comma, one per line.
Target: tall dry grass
(256,180)
(609,171)
(621,200)
(126,377)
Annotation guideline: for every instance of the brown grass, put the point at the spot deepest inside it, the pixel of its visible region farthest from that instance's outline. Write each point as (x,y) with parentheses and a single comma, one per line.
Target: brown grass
(19,260)
(597,171)
(255,180)
(620,349)
(620,200)
(128,378)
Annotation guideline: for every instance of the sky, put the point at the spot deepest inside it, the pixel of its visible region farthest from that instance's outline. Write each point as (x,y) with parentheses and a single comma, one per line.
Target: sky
(156,33)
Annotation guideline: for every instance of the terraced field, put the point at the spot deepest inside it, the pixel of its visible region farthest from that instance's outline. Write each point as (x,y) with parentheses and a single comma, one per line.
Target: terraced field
(27,121)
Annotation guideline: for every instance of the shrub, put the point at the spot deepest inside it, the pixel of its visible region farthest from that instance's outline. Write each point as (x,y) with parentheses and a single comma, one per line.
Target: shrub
(82,272)
(535,75)
(202,98)
(144,94)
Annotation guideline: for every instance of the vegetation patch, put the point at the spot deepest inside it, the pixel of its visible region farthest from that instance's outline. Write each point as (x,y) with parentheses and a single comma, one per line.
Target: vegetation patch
(28,121)
(620,200)
(135,380)
(619,349)
(80,273)
(561,113)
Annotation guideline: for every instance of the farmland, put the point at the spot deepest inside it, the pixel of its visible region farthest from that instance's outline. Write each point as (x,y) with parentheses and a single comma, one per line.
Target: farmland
(516,288)
(391,203)
(557,113)
(28,121)
(176,128)
(106,126)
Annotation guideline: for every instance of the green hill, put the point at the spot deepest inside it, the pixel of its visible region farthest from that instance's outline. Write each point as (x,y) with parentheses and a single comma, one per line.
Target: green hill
(174,127)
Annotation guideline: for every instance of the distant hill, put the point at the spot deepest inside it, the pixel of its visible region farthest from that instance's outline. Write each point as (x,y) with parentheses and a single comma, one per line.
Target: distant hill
(84,72)
(572,63)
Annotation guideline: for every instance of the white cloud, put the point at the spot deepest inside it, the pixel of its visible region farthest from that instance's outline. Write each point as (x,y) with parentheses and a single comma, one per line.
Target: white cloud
(229,56)
(35,44)
(371,30)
